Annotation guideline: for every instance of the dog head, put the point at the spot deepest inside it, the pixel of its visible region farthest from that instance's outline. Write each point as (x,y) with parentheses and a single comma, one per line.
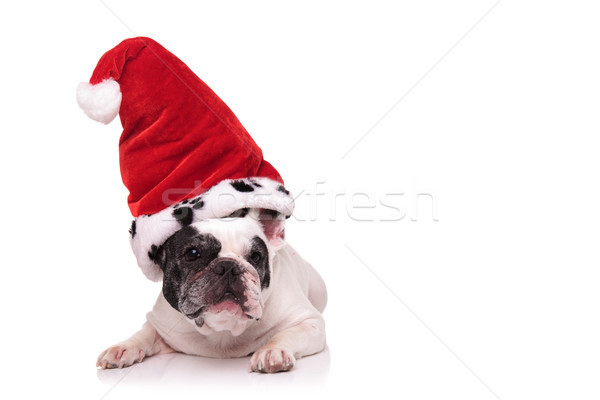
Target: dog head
(218,272)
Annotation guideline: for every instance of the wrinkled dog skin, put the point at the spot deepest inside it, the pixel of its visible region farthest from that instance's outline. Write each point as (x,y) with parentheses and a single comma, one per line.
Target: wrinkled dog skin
(231,291)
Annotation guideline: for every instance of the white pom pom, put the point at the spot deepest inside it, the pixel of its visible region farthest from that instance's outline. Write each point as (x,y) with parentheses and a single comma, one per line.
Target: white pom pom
(100,102)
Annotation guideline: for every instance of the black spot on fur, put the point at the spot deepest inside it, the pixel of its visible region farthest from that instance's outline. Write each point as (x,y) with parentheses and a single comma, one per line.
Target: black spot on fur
(283,190)
(198,205)
(241,213)
(241,186)
(152,252)
(184,215)
(256,184)
(132,229)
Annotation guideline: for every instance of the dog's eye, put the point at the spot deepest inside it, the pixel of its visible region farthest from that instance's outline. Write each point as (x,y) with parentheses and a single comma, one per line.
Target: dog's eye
(255,257)
(191,254)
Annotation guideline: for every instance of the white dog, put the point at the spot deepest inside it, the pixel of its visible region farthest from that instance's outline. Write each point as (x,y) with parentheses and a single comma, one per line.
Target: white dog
(231,287)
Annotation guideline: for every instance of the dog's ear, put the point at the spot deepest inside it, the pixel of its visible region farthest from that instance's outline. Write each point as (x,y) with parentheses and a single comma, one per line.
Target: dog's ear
(273,225)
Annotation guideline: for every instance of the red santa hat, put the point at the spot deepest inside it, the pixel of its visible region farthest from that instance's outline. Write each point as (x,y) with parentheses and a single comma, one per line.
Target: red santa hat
(184,155)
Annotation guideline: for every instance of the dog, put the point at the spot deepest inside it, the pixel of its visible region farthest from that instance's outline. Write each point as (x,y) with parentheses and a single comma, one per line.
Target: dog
(232,287)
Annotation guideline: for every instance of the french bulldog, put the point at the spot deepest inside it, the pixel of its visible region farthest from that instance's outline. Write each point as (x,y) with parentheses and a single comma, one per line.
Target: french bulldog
(231,288)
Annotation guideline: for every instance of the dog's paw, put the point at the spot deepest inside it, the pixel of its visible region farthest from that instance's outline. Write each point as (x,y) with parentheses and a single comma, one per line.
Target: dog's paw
(271,360)
(121,355)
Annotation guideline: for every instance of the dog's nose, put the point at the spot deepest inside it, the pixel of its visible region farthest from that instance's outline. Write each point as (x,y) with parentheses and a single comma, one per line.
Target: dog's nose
(227,266)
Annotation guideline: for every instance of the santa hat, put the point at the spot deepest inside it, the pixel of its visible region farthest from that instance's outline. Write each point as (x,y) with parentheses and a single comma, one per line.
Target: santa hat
(184,155)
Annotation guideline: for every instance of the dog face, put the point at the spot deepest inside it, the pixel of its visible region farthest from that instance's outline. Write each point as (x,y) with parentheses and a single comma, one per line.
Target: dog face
(218,272)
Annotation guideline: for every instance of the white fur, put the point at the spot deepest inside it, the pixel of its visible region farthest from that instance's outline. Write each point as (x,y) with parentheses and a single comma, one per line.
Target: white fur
(226,321)
(100,102)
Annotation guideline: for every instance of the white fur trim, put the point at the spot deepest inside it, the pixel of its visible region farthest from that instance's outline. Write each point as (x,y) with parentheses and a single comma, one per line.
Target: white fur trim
(220,201)
(100,102)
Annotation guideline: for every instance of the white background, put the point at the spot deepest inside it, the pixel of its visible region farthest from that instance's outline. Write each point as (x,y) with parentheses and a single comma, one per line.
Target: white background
(495,120)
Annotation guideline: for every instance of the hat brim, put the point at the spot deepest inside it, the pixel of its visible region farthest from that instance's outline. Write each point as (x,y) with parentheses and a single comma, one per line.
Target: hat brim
(149,232)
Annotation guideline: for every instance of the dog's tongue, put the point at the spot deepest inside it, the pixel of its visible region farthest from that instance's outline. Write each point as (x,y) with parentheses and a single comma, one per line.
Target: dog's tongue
(226,305)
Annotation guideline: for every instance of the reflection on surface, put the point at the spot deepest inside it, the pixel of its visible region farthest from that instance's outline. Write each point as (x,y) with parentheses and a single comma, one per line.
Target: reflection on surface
(188,371)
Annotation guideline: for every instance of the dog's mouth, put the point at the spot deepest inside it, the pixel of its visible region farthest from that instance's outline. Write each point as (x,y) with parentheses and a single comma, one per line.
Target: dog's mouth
(228,301)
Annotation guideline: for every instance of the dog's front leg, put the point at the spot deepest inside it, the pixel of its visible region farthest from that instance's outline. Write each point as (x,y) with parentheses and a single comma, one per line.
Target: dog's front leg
(144,343)
(281,352)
